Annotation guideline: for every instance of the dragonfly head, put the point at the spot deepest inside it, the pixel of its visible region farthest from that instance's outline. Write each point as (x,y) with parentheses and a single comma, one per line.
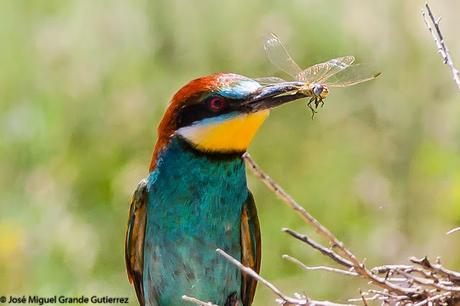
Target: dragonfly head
(321,91)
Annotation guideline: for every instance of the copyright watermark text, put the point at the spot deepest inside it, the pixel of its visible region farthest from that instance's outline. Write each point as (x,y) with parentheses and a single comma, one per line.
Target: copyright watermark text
(62,299)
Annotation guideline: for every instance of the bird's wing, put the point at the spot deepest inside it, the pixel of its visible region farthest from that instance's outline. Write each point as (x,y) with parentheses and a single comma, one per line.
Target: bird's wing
(134,244)
(250,248)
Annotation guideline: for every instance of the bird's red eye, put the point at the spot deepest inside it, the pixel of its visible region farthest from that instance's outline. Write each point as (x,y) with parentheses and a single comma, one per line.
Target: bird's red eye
(216,104)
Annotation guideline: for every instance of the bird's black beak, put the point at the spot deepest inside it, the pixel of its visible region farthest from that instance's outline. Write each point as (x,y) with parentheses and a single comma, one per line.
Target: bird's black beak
(273,95)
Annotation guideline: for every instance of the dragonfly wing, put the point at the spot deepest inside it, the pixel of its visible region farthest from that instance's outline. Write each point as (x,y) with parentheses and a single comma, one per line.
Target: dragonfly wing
(356,74)
(269,80)
(319,73)
(279,56)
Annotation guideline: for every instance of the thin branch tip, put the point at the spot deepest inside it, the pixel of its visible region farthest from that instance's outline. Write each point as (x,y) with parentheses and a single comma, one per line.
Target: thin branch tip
(439,40)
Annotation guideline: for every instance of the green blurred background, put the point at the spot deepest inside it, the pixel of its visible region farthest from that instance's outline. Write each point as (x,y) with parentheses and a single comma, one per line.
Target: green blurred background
(84,83)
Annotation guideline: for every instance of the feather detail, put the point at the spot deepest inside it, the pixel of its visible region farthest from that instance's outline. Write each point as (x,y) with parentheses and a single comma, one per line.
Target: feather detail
(250,248)
(134,244)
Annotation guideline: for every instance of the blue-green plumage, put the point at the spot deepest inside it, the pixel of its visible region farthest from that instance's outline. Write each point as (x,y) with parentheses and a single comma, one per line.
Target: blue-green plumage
(195,202)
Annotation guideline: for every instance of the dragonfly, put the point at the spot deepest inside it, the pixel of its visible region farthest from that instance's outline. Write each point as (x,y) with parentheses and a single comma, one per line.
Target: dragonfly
(315,81)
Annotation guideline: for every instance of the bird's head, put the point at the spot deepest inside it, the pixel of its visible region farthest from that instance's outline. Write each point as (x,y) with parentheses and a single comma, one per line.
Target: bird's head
(221,113)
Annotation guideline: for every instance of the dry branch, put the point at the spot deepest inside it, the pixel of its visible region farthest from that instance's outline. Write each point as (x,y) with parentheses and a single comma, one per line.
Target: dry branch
(422,283)
(288,300)
(325,251)
(438,38)
(283,299)
(314,268)
(437,268)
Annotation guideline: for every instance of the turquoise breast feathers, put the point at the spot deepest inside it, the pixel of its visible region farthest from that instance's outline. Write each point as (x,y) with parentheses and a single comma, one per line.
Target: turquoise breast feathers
(194,206)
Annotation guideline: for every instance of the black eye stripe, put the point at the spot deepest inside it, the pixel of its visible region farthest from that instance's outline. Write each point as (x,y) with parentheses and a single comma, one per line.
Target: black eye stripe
(193,111)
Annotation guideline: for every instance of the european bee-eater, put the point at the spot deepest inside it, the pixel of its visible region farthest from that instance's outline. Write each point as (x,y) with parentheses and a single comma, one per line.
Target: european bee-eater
(195,198)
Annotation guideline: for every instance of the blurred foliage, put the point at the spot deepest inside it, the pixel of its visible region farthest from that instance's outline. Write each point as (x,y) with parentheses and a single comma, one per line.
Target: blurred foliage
(83,83)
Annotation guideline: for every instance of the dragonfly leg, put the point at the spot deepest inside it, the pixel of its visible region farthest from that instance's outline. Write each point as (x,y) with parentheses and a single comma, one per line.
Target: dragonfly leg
(318,102)
(313,111)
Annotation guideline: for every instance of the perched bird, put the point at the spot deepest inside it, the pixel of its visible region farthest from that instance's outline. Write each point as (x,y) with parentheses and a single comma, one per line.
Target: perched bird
(195,198)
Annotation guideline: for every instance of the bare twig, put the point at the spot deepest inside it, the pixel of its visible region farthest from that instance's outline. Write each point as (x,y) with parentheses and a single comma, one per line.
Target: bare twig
(433,298)
(436,268)
(371,298)
(326,251)
(363,297)
(431,282)
(440,43)
(196,301)
(286,300)
(398,268)
(387,295)
(253,274)
(454,230)
(315,268)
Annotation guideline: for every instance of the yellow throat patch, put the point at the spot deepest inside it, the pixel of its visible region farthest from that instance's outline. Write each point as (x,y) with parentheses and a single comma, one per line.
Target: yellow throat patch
(233,134)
